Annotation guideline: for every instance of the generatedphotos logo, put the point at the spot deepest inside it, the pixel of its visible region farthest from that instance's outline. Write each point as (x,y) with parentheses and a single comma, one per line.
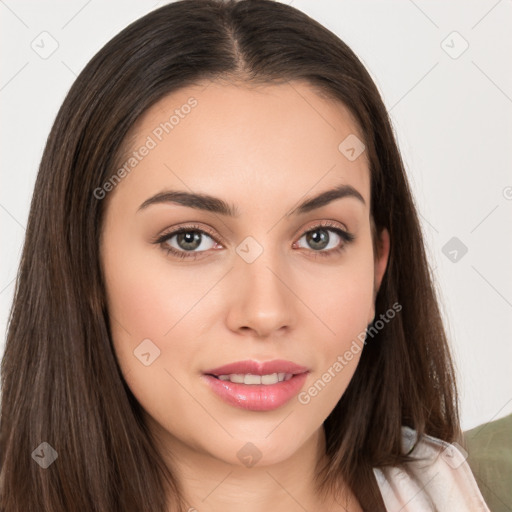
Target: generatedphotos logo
(344,359)
(152,140)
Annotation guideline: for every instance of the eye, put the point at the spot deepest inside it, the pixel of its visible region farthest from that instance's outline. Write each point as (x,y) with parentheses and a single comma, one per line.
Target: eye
(186,242)
(325,239)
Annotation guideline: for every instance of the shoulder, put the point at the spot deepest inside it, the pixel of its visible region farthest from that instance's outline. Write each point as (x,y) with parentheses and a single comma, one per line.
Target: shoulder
(438,479)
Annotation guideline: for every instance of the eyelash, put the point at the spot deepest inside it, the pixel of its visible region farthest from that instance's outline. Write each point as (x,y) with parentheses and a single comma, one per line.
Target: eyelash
(344,235)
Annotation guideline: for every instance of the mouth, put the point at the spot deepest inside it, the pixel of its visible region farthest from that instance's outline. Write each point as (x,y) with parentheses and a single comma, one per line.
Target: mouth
(257,386)
(251,380)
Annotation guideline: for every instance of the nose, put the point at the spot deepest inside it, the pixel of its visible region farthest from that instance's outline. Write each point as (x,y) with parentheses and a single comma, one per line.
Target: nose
(262,301)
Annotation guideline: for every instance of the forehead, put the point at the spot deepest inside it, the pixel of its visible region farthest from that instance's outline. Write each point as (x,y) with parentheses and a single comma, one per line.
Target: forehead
(214,136)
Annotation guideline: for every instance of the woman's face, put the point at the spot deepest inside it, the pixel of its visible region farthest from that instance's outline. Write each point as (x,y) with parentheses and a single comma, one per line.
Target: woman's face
(268,280)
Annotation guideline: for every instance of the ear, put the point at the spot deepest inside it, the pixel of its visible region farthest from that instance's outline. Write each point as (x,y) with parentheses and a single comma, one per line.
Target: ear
(380,265)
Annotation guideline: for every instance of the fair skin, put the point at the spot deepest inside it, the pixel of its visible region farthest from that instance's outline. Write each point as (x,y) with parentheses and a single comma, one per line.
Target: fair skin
(263,149)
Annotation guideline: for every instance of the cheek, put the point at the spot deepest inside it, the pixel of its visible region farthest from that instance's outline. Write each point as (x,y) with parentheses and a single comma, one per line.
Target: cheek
(344,304)
(343,298)
(345,312)
(156,314)
(148,299)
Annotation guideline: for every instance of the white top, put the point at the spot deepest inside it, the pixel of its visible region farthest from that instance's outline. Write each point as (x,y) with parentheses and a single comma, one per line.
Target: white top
(440,480)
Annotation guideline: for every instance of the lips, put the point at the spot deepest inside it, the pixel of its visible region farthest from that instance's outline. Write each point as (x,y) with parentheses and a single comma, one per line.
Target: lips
(257,368)
(254,396)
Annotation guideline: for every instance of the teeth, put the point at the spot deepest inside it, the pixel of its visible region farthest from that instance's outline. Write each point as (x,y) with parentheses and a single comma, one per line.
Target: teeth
(255,379)
(241,378)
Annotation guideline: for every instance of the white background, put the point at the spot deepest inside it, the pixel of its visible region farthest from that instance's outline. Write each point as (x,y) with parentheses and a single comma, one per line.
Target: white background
(452,117)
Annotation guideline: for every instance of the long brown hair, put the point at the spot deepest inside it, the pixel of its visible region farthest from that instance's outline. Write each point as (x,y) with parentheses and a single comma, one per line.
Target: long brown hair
(61,382)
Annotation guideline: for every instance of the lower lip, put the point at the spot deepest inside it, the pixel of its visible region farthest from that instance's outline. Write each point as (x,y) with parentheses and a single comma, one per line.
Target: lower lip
(257,397)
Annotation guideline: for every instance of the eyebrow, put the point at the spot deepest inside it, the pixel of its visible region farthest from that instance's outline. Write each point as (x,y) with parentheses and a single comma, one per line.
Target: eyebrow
(217,205)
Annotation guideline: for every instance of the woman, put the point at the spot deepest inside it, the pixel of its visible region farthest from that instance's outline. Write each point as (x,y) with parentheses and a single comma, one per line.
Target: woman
(223,298)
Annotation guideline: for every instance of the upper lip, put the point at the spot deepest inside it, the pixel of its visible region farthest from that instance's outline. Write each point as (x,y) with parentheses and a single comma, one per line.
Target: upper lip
(258,368)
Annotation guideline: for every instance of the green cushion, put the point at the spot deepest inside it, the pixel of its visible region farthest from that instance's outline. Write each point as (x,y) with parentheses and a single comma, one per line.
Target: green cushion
(489,448)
